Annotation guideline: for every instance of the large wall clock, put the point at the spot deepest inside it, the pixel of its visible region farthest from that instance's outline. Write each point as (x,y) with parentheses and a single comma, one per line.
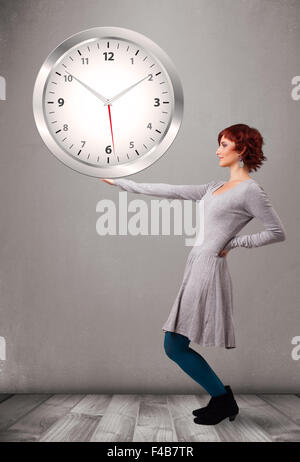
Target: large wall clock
(108,102)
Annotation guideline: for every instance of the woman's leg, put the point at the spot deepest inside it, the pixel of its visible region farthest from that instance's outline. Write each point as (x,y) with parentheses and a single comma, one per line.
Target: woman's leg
(177,348)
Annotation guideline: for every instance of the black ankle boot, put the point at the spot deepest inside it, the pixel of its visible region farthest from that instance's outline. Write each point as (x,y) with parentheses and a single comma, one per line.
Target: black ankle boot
(219,408)
(200,411)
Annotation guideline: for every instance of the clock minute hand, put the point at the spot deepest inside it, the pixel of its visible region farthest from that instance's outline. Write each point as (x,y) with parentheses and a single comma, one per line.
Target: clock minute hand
(126,90)
(105,100)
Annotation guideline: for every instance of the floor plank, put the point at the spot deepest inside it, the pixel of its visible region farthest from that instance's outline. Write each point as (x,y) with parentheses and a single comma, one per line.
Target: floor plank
(3,397)
(67,401)
(71,427)
(118,421)
(181,407)
(286,403)
(94,405)
(277,425)
(37,421)
(17,406)
(154,422)
(144,417)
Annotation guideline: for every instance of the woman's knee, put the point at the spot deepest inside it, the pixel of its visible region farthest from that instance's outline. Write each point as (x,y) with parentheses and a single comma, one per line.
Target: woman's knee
(168,345)
(174,345)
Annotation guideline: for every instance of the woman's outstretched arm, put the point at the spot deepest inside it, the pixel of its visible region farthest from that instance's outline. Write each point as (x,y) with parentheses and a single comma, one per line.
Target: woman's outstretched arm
(169,191)
(258,205)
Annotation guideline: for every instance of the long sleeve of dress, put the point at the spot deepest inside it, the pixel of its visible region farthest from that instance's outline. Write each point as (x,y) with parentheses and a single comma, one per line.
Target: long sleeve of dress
(258,205)
(169,191)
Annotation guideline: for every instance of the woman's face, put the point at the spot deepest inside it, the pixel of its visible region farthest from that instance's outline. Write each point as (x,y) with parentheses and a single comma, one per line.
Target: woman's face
(226,153)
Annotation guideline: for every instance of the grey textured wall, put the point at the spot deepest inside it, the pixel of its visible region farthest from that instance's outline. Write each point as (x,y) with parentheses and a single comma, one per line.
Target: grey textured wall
(83,313)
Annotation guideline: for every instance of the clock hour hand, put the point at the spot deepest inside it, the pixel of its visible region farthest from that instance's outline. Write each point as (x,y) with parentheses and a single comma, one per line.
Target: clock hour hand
(105,100)
(110,100)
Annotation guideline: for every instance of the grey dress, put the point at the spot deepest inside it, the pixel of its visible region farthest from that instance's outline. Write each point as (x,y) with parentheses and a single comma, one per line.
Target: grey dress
(203,307)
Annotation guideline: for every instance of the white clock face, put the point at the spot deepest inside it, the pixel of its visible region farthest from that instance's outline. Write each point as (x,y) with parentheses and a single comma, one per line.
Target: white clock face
(108,102)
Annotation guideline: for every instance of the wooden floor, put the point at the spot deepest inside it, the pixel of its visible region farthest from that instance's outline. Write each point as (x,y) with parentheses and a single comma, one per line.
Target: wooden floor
(129,417)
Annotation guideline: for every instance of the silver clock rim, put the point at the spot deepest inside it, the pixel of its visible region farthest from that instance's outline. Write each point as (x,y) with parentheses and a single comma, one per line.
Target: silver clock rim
(138,164)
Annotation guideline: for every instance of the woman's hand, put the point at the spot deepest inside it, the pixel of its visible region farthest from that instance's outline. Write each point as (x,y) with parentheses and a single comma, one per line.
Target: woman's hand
(223,253)
(108,180)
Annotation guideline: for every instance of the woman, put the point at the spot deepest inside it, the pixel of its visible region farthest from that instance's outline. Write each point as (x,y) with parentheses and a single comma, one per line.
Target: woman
(202,311)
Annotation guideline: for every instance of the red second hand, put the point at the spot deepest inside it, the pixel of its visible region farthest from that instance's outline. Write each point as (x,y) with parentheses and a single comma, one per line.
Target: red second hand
(112,135)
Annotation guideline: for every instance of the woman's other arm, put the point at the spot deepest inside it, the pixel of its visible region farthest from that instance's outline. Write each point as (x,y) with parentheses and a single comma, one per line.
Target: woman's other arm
(258,205)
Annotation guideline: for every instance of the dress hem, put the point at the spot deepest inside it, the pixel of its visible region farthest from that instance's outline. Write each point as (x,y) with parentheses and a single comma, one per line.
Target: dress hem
(221,345)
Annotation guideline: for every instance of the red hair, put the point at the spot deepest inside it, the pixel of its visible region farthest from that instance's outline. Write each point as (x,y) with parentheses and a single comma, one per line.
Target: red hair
(246,137)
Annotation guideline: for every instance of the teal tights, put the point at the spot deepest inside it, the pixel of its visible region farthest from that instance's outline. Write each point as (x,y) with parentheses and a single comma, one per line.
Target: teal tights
(177,348)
